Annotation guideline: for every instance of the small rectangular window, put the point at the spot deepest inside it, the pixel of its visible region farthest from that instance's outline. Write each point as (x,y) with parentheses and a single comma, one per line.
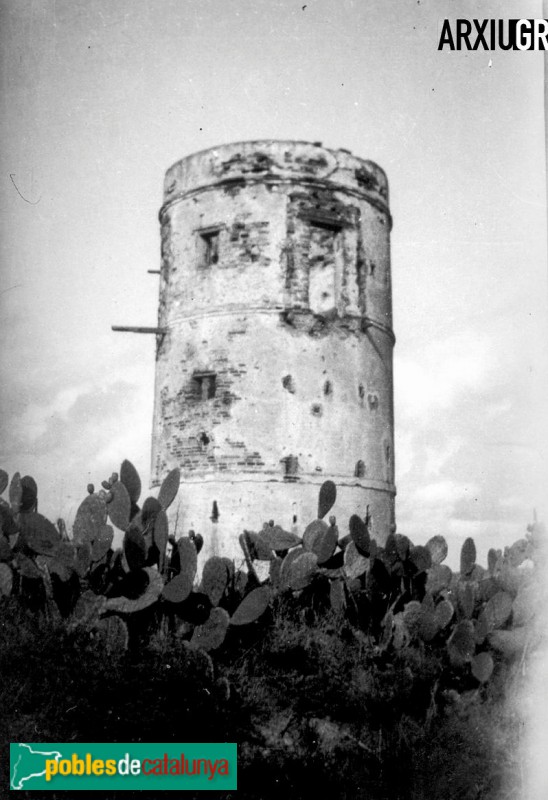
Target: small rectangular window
(205,385)
(208,245)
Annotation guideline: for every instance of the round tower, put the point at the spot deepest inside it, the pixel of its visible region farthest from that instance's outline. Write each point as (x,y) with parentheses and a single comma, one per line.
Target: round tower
(275,371)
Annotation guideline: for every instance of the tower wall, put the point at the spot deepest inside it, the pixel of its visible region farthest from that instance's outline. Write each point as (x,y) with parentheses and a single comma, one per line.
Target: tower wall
(276,371)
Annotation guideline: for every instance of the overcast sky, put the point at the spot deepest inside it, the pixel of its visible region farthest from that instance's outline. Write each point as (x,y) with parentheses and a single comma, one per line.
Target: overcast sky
(100,97)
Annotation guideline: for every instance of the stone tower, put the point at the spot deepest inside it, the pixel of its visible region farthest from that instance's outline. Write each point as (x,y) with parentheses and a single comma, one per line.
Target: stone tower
(275,371)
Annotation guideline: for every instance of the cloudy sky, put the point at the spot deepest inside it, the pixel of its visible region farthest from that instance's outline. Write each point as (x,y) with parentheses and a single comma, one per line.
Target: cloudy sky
(100,97)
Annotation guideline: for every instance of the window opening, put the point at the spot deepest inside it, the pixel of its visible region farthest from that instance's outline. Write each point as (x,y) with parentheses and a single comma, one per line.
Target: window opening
(205,384)
(209,241)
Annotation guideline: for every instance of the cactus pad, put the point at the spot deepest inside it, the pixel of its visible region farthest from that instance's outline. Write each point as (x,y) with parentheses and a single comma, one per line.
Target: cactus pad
(87,610)
(15,492)
(82,561)
(151,508)
(320,540)
(355,564)
(90,518)
(178,588)
(258,548)
(214,579)
(135,549)
(6,580)
(428,626)
(467,556)
(39,534)
(29,494)
(412,614)
(326,499)
(252,607)
(439,578)
(101,543)
(420,557)
(124,605)
(438,549)
(444,613)
(169,488)
(461,645)
(498,609)
(286,564)
(113,634)
(482,667)
(119,508)
(302,570)
(403,545)
(188,558)
(131,480)
(360,535)
(510,643)
(466,598)
(27,567)
(277,539)
(212,633)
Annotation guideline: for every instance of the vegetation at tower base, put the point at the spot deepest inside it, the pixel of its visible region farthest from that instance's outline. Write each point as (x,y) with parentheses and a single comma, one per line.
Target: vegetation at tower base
(378,667)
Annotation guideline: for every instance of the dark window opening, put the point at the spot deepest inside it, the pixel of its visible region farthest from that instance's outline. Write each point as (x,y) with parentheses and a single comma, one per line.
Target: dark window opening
(316,410)
(204,439)
(326,223)
(361,391)
(288,383)
(373,401)
(209,245)
(294,519)
(290,466)
(328,388)
(359,470)
(205,385)
(215,512)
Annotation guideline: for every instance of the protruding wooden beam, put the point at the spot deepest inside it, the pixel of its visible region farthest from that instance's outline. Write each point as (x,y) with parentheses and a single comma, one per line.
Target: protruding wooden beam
(154,271)
(139,329)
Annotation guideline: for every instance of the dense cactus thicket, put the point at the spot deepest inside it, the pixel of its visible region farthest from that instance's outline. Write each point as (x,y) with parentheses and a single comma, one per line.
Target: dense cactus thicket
(327,642)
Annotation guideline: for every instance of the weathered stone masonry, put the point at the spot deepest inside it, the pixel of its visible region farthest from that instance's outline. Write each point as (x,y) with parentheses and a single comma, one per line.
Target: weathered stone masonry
(276,370)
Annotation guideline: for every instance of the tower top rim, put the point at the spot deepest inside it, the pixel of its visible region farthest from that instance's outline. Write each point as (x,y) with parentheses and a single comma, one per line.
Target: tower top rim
(268,160)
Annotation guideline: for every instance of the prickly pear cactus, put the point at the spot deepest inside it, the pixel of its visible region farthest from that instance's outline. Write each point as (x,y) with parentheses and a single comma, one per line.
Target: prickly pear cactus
(211,635)
(215,579)
(252,607)
(169,488)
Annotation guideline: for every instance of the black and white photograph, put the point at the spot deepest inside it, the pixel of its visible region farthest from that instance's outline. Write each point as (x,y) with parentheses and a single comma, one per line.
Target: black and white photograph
(274,383)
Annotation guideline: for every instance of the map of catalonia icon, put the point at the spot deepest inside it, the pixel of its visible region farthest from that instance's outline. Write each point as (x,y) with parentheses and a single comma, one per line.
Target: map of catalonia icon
(28,764)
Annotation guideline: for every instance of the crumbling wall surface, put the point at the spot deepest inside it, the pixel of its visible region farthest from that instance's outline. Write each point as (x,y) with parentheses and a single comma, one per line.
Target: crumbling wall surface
(276,371)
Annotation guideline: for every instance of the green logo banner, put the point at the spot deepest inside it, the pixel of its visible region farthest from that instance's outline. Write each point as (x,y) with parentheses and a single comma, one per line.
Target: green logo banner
(103,766)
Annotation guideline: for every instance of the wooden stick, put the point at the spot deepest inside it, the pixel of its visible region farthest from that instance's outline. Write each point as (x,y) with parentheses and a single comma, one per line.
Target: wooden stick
(138,329)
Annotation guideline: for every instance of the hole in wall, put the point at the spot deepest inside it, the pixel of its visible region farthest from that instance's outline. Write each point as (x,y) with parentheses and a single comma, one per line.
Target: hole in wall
(359,469)
(316,410)
(215,512)
(204,439)
(288,383)
(328,388)
(290,465)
